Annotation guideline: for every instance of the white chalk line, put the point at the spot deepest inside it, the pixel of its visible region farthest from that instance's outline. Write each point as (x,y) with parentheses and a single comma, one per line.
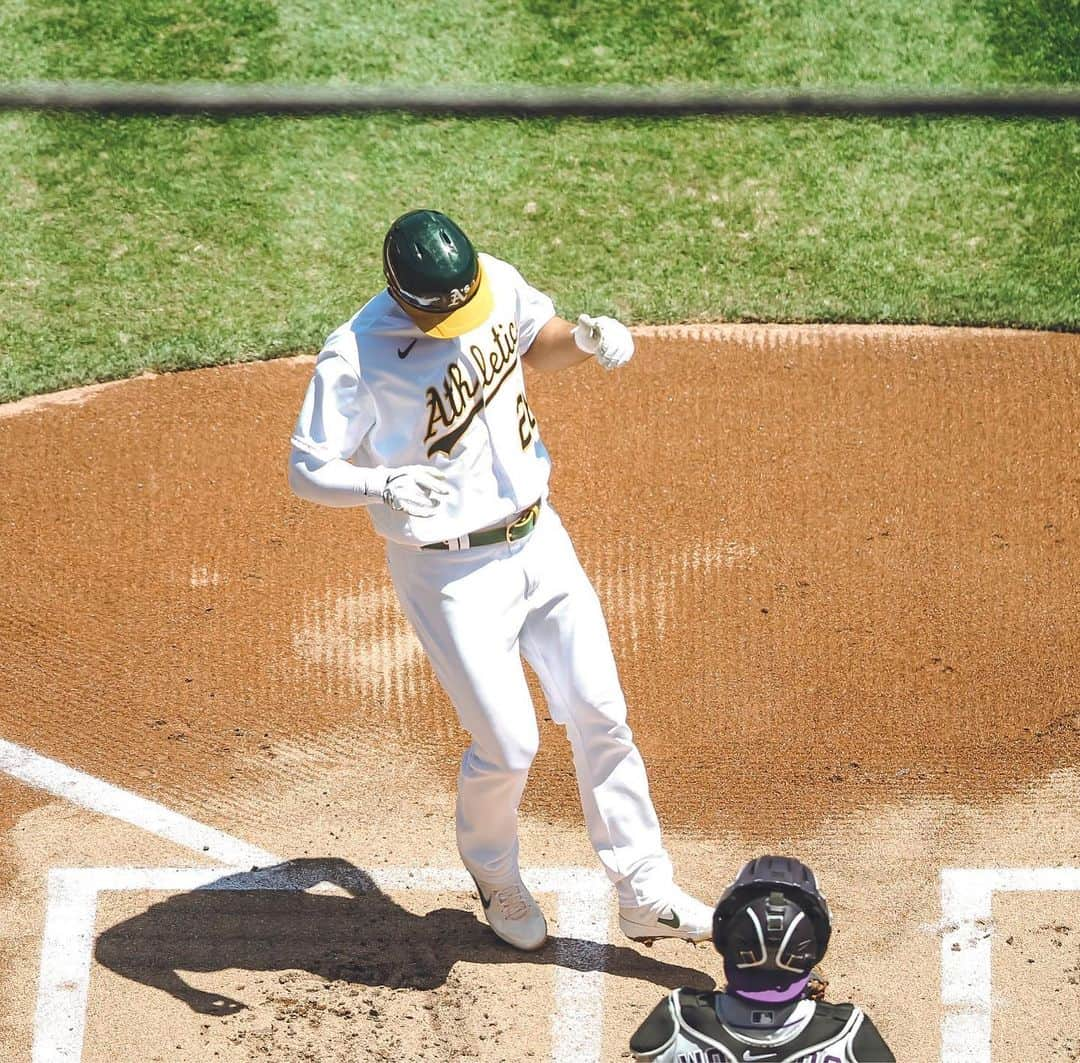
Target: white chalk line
(93,794)
(67,947)
(67,942)
(64,977)
(966,978)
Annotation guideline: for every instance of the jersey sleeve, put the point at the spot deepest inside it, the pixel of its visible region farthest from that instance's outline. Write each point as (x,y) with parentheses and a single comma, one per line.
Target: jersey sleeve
(535,310)
(656,1033)
(869,1046)
(337,412)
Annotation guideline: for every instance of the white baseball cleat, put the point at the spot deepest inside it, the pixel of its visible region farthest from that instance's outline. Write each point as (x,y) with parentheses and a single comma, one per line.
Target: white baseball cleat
(676,915)
(513,914)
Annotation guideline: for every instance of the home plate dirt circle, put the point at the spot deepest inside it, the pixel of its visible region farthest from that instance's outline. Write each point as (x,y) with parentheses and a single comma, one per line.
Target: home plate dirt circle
(838,566)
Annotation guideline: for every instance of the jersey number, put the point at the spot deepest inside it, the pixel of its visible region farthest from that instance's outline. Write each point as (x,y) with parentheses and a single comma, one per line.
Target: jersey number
(526,422)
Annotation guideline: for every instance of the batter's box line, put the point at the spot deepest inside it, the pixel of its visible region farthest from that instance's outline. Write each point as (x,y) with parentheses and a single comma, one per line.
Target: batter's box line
(967,897)
(71,915)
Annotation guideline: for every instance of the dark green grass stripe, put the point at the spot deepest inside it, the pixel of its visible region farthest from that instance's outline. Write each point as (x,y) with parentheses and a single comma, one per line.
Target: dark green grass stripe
(1037,41)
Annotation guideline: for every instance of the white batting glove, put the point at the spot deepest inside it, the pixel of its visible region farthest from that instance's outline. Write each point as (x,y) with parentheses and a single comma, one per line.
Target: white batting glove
(609,340)
(415,489)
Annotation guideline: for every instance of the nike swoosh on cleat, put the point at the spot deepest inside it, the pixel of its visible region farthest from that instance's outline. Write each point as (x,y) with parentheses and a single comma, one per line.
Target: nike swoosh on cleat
(485,901)
(673,922)
(403,354)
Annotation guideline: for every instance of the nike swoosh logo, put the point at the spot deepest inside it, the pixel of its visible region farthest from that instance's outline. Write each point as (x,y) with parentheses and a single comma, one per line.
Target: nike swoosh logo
(768,1055)
(485,901)
(404,354)
(673,922)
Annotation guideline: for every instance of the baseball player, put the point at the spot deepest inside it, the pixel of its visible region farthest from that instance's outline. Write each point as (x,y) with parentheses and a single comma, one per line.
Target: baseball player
(772,926)
(417,410)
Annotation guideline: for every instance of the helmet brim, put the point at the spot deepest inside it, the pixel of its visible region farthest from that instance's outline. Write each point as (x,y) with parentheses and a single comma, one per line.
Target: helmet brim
(470,315)
(765,987)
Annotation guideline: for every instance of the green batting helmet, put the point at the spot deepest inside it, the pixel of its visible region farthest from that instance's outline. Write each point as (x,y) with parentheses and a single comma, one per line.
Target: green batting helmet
(432,269)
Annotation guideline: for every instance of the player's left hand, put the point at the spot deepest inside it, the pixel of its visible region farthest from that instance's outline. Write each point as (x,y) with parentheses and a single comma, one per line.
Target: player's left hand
(415,489)
(605,338)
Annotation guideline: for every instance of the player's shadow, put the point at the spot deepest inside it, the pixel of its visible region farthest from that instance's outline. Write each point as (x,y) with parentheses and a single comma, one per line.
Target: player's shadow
(264,921)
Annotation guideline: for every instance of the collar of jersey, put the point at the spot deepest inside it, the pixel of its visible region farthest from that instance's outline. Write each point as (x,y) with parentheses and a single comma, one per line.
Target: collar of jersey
(760,1036)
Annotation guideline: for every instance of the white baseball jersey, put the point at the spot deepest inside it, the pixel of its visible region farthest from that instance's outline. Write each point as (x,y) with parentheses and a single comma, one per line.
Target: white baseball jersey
(687,1028)
(386,394)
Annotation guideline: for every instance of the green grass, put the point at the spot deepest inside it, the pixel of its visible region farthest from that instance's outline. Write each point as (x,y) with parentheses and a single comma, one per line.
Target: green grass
(132,244)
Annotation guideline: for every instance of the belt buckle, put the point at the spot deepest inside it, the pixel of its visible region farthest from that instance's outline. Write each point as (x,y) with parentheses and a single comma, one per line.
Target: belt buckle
(528,515)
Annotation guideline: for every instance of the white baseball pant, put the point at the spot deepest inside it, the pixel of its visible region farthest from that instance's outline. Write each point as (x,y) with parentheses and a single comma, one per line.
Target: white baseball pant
(476,612)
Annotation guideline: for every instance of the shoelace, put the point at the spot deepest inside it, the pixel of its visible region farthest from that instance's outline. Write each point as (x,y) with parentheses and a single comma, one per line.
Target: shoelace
(512,902)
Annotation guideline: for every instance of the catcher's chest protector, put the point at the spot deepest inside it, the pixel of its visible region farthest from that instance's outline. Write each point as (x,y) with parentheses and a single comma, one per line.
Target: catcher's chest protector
(700,1037)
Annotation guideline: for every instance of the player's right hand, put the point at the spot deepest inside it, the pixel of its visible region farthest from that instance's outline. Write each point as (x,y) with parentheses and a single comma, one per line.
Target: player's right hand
(415,489)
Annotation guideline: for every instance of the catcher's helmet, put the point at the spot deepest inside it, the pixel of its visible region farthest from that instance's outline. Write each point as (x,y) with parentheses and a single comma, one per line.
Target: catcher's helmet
(433,270)
(772,925)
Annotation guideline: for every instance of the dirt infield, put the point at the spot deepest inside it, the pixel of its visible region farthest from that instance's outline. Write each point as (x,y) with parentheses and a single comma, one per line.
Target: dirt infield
(839,567)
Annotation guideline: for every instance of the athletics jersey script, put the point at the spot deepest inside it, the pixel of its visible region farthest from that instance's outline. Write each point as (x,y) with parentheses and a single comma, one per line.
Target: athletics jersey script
(383,393)
(453,405)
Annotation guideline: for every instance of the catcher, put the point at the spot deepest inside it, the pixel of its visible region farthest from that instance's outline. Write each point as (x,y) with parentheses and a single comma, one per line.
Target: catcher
(772,926)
